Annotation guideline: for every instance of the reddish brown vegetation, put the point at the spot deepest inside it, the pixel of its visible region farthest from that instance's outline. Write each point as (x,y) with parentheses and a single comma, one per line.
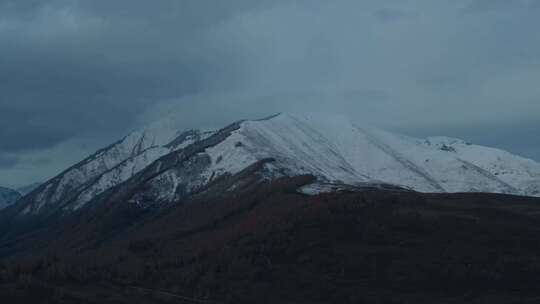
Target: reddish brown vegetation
(273,245)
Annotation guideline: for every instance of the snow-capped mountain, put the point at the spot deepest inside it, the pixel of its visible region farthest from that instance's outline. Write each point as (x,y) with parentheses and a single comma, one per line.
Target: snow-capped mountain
(161,164)
(339,152)
(108,167)
(8,197)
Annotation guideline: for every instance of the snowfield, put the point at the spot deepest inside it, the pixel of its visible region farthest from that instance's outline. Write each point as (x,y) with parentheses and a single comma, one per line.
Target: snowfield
(331,148)
(335,150)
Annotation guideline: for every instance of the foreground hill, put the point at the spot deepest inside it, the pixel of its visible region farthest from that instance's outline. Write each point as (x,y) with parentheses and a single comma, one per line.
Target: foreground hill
(268,243)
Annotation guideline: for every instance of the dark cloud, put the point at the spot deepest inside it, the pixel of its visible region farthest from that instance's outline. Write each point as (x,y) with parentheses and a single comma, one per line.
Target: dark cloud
(86,67)
(76,74)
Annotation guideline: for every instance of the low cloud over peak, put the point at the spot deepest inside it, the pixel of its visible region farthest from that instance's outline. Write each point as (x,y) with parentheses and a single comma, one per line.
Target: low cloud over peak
(75,75)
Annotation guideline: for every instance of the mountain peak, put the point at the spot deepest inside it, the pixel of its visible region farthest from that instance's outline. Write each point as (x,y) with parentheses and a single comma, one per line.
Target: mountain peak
(170,164)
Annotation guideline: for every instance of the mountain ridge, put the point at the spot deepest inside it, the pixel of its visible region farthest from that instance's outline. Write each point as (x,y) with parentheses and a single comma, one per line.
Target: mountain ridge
(329,147)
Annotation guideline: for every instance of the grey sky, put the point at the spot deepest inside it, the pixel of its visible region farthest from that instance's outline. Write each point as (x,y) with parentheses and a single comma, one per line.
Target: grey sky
(77,74)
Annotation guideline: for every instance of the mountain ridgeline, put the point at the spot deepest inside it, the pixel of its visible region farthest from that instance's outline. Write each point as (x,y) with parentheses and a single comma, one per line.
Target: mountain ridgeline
(172,163)
(162,165)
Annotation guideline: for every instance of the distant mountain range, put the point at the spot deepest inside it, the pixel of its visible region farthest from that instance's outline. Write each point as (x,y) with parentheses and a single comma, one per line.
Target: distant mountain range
(8,197)
(28,188)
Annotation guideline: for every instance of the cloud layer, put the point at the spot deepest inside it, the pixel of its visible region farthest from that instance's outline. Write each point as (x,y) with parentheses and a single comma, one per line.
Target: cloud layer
(75,75)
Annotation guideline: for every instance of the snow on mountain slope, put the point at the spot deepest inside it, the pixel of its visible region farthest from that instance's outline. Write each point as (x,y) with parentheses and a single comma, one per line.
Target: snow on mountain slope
(339,152)
(8,197)
(520,173)
(109,167)
(446,171)
(159,164)
(436,164)
(294,147)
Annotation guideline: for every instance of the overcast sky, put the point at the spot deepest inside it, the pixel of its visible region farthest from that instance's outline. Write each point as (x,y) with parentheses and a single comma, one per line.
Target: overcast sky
(77,74)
